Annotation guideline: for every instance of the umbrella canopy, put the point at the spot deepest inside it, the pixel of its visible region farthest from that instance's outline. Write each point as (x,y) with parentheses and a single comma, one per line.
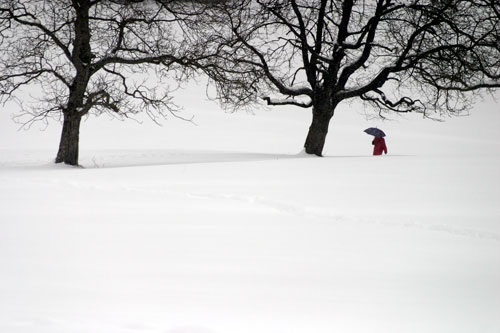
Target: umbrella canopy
(375,132)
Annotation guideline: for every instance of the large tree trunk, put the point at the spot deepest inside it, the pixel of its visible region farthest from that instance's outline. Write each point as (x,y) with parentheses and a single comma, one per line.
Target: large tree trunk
(70,137)
(81,57)
(322,114)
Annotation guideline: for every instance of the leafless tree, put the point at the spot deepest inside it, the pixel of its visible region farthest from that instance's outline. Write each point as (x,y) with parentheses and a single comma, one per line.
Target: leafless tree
(427,56)
(95,56)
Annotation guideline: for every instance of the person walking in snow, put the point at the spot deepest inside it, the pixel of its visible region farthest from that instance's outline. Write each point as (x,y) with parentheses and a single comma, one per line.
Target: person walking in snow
(379,146)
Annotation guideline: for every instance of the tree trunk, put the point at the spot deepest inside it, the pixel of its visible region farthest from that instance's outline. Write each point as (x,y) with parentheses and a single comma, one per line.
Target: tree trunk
(315,141)
(70,137)
(81,58)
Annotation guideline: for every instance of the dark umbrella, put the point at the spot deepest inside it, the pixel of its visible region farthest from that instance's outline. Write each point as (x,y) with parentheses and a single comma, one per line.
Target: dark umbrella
(375,132)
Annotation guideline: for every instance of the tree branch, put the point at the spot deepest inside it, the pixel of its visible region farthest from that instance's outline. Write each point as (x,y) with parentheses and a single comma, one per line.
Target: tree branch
(287,101)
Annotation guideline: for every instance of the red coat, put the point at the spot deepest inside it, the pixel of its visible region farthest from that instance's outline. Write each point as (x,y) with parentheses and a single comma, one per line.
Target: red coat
(379,146)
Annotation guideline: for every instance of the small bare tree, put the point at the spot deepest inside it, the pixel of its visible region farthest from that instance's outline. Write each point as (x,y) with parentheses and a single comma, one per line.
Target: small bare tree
(397,55)
(95,56)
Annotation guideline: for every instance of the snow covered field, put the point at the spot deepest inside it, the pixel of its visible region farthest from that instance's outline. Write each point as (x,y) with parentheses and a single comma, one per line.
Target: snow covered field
(225,227)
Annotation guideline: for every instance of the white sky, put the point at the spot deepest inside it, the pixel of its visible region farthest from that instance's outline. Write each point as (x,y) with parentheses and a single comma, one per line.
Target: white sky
(482,125)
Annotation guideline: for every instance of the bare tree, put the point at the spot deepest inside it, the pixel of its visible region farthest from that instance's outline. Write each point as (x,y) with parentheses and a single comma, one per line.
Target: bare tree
(95,56)
(427,56)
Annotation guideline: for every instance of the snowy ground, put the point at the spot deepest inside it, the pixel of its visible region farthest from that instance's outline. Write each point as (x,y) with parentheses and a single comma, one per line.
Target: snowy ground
(225,227)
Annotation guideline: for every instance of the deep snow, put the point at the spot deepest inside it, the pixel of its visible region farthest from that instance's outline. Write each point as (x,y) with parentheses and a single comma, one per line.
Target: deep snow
(226,227)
